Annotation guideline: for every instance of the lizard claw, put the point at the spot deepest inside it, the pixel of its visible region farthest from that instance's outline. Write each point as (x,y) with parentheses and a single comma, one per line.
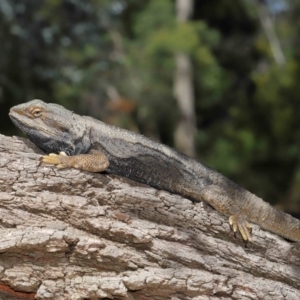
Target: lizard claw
(238,223)
(54,159)
(95,161)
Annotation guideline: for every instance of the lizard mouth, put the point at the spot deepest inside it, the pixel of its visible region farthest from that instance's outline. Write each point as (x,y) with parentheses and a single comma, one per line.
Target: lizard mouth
(17,119)
(14,117)
(21,117)
(13,114)
(25,124)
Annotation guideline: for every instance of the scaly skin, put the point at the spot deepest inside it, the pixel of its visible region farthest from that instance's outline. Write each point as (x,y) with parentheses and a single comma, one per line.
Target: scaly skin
(88,144)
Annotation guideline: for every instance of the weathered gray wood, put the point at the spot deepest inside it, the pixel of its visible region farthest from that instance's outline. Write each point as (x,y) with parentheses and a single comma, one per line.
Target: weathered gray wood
(66,234)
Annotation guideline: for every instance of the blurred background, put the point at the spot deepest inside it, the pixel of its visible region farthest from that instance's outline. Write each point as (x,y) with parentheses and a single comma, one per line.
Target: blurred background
(217,79)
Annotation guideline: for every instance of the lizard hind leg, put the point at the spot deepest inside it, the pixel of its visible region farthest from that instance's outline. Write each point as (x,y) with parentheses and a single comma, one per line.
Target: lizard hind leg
(220,199)
(238,223)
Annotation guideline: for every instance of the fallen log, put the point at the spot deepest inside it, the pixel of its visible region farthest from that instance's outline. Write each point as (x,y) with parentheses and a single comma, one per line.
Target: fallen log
(68,234)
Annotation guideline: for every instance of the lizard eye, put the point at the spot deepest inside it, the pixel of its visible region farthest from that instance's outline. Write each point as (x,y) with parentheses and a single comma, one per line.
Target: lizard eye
(36,112)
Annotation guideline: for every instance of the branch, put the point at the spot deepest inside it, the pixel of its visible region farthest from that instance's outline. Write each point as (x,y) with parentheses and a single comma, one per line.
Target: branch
(67,234)
(270,32)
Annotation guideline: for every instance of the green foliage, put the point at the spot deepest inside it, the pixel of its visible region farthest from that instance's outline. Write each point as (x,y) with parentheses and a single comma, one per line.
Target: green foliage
(149,63)
(155,15)
(73,52)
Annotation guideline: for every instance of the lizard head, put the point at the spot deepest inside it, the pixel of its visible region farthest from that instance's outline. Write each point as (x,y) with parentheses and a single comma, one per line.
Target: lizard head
(51,127)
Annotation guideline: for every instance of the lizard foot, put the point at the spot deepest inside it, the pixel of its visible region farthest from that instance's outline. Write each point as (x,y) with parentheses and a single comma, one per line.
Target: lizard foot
(95,161)
(238,223)
(55,159)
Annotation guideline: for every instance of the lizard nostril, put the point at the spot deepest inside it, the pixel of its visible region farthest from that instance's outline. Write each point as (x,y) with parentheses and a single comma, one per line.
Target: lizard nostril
(18,111)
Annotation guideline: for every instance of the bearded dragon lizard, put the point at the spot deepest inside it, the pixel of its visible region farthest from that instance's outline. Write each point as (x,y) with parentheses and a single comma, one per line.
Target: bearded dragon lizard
(74,141)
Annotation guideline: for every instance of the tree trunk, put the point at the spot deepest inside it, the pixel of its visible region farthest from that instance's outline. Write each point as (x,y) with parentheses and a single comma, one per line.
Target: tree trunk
(184,90)
(270,32)
(67,234)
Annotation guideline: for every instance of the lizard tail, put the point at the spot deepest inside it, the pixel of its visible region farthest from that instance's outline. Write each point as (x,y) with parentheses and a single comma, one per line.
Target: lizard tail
(276,221)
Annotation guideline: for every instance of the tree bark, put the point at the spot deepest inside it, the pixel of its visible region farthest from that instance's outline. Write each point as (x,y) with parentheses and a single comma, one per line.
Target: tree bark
(67,234)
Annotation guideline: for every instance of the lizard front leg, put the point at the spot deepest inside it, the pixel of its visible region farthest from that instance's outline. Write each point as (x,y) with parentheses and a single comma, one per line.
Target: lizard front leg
(219,199)
(94,161)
